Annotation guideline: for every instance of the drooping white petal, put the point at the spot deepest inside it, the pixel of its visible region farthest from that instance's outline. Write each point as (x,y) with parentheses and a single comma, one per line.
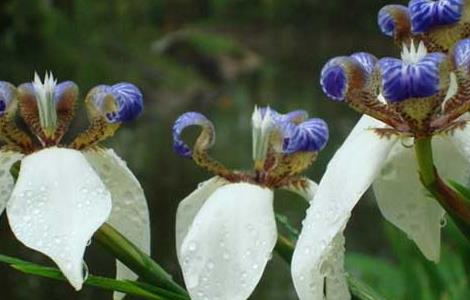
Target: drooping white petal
(57,204)
(405,203)
(349,174)
(7,159)
(229,242)
(190,206)
(130,214)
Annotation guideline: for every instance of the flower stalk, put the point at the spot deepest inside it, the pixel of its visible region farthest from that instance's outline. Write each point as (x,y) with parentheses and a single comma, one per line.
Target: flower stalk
(135,259)
(454,203)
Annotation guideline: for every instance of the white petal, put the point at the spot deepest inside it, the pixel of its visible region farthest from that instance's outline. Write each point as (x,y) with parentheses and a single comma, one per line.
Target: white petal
(7,159)
(190,206)
(349,174)
(406,203)
(461,139)
(130,214)
(56,206)
(229,243)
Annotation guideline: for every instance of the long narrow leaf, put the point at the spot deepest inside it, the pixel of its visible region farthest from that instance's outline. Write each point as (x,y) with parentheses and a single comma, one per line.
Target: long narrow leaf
(128,287)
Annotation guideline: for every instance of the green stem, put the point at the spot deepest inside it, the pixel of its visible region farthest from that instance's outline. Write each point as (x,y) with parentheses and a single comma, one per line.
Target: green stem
(130,255)
(449,199)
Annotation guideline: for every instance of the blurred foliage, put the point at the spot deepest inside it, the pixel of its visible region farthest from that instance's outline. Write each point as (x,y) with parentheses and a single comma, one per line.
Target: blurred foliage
(219,57)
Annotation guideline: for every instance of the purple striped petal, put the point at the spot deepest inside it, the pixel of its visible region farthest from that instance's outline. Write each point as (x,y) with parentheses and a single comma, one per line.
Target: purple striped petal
(311,135)
(339,72)
(462,55)
(427,13)
(402,81)
(184,121)
(366,60)
(7,95)
(127,98)
(390,18)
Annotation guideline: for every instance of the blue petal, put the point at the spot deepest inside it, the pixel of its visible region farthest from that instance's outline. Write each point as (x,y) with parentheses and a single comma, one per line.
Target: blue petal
(401,81)
(311,135)
(388,17)
(128,99)
(462,55)
(63,88)
(337,74)
(427,13)
(7,95)
(333,80)
(366,60)
(184,121)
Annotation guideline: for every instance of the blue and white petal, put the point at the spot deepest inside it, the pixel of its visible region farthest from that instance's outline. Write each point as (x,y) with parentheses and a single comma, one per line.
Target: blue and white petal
(308,136)
(341,74)
(7,96)
(426,14)
(186,120)
(7,159)
(56,206)
(122,102)
(415,213)
(461,55)
(353,168)
(130,214)
(402,80)
(229,242)
(391,17)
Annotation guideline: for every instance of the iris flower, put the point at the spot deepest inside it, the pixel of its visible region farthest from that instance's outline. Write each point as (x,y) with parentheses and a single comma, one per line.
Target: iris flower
(66,190)
(423,95)
(226,229)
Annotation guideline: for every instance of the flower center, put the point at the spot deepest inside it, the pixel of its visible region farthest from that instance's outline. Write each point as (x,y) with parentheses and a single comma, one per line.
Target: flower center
(413,55)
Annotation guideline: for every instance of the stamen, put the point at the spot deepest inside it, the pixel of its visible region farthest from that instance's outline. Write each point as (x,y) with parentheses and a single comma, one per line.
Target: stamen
(263,124)
(46,105)
(413,55)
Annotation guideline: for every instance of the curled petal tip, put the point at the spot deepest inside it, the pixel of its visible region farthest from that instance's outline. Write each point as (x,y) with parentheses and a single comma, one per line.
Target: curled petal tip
(342,74)
(426,14)
(394,20)
(309,136)
(334,80)
(7,96)
(296,116)
(184,121)
(64,88)
(122,102)
(461,55)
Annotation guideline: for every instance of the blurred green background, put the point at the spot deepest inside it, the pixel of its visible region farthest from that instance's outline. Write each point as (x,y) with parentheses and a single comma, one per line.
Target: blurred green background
(219,57)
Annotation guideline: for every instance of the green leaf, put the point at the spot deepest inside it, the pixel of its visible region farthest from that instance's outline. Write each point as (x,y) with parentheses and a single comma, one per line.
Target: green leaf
(386,278)
(362,290)
(132,288)
(291,230)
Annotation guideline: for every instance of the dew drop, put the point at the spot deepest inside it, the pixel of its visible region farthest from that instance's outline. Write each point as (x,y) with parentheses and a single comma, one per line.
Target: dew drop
(192,246)
(86,271)
(443,222)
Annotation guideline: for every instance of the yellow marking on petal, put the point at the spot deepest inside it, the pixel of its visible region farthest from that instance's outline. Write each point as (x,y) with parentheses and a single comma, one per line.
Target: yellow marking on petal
(98,131)
(288,166)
